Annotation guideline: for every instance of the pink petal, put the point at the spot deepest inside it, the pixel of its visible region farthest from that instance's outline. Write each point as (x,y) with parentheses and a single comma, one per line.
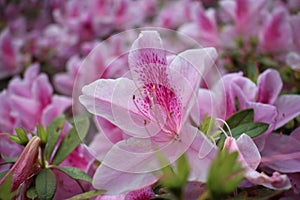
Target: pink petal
(116,182)
(57,107)
(282,153)
(269,86)
(274,182)
(249,151)
(186,71)
(42,90)
(296,134)
(288,108)
(147,60)
(113,100)
(276,35)
(201,153)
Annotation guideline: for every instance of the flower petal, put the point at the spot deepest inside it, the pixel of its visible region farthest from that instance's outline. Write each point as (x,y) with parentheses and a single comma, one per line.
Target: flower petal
(186,71)
(269,86)
(288,108)
(116,182)
(147,60)
(282,153)
(113,100)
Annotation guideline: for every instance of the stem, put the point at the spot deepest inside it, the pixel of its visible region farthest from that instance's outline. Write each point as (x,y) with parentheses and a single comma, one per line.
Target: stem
(43,159)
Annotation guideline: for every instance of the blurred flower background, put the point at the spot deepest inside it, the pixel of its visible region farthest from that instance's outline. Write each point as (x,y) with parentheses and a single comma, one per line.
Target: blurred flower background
(48,53)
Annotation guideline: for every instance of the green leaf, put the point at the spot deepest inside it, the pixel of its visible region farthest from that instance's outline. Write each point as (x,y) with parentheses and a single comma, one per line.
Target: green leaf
(45,184)
(175,181)
(87,195)
(82,124)
(75,173)
(7,159)
(31,193)
(5,188)
(241,117)
(15,139)
(183,168)
(22,135)
(207,125)
(42,133)
(252,129)
(68,144)
(54,131)
(225,174)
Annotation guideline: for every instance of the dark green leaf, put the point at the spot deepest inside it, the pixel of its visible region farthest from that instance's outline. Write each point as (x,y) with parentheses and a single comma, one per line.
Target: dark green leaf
(225,174)
(31,193)
(68,144)
(252,129)
(45,184)
(54,131)
(75,173)
(22,135)
(241,117)
(82,124)
(87,195)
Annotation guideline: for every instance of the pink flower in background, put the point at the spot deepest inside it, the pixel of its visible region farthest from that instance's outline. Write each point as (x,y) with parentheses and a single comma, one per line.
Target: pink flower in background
(204,27)
(246,15)
(30,101)
(276,35)
(64,82)
(10,55)
(153,109)
(235,92)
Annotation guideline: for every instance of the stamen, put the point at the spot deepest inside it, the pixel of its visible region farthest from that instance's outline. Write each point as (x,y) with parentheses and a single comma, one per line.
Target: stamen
(224,122)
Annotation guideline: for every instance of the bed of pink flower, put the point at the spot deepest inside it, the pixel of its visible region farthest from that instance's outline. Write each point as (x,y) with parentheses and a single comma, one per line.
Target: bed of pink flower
(149,99)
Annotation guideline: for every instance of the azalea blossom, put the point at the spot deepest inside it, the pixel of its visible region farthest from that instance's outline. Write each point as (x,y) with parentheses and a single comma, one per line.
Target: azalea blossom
(235,92)
(250,158)
(153,108)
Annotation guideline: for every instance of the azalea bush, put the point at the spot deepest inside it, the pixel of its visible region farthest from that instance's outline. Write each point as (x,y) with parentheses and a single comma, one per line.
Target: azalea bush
(149,99)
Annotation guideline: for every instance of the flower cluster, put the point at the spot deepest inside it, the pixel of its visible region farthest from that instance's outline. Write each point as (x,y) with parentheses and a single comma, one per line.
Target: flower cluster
(149,99)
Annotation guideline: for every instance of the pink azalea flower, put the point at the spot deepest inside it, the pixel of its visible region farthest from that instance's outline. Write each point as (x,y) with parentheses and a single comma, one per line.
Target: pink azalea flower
(29,102)
(153,108)
(235,92)
(10,57)
(250,158)
(204,27)
(245,15)
(64,82)
(276,34)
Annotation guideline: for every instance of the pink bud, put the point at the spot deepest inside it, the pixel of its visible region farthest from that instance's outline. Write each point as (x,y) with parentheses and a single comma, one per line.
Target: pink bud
(26,165)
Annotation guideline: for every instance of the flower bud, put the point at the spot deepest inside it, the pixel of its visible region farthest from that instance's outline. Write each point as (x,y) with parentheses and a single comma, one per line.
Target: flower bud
(26,165)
